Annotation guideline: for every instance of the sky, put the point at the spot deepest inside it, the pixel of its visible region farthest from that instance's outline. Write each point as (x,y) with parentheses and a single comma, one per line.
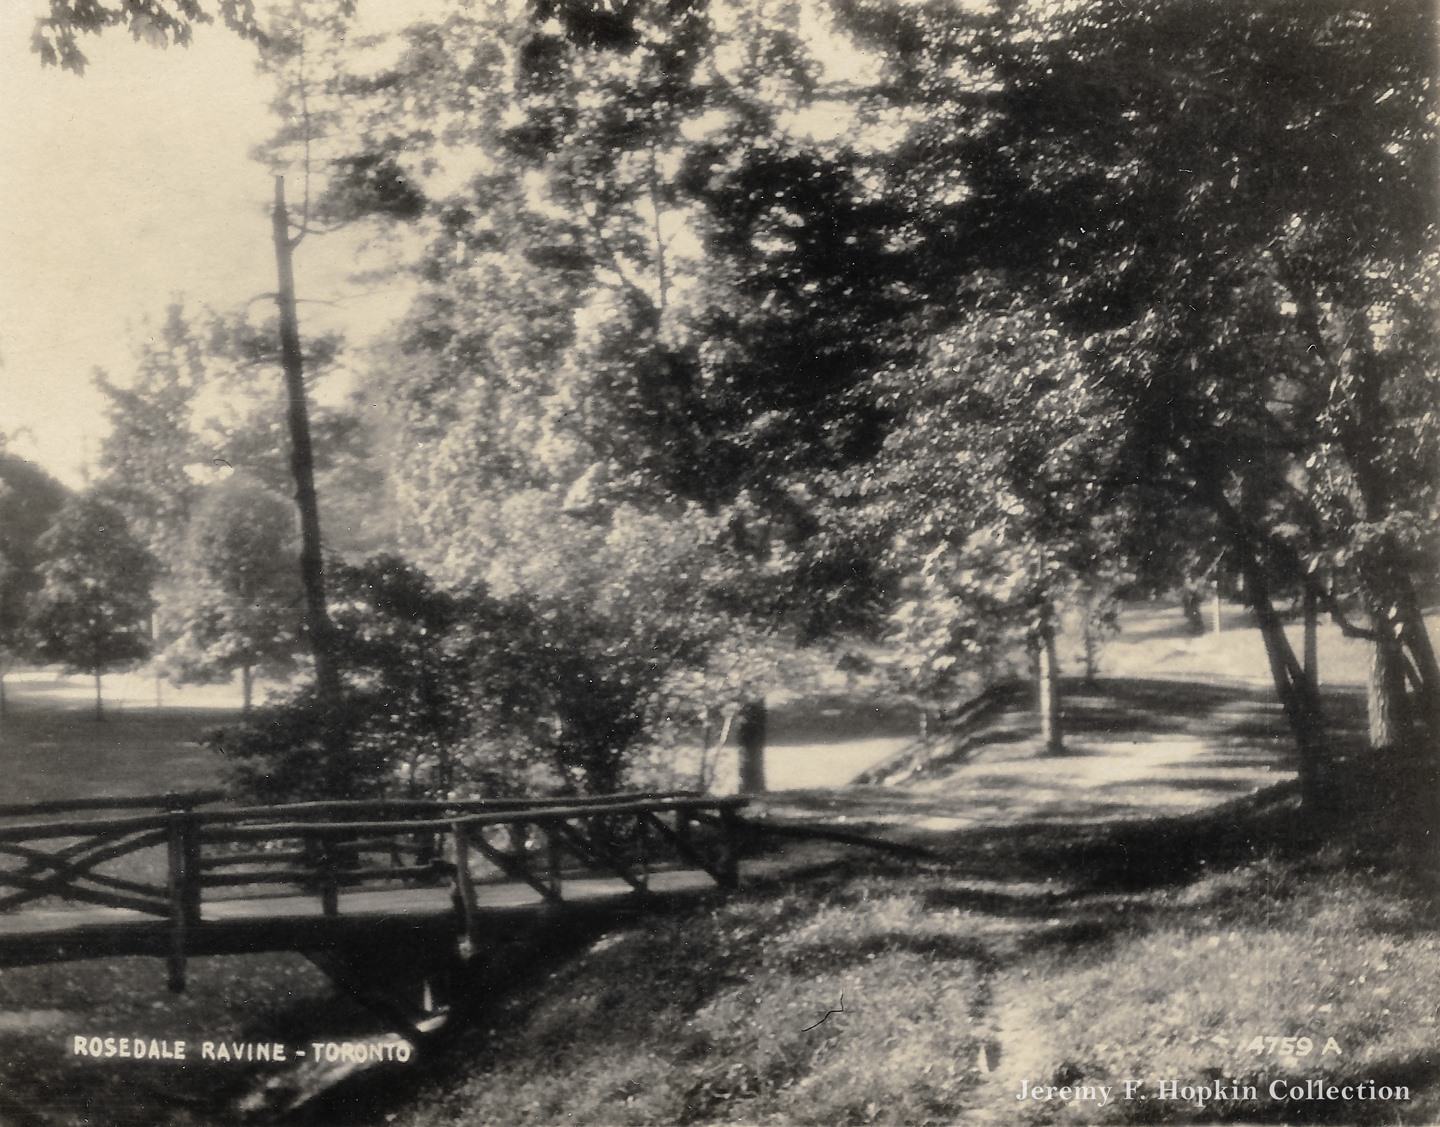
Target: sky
(120,191)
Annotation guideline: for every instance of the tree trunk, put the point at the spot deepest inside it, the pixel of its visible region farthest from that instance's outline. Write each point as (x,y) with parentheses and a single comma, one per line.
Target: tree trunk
(247,689)
(1312,640)
(1385,704)
(1300,702)
(1217,610)
(3,704)
(1380,702)
(302,465)
(751,734)
(1415,639)
(712,744)
(99,700)
(1299,699)
(1190,603)
(1052,734)
(1091,648)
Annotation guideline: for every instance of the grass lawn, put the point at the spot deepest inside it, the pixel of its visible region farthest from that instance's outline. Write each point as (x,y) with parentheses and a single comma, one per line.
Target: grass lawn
(52,747)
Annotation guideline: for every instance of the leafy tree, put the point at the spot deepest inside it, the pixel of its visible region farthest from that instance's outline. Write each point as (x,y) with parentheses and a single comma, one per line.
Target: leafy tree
(1228,206)
(990,484)
(159,23)
(406,693)
(29,500)
(236,599)
(612,331)
(93,608)
(150,463)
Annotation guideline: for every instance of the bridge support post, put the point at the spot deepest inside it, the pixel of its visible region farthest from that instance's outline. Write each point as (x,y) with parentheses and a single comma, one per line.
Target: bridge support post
(553,858)
(183,881)
(730,864)
(642,844)
(465,889)
(329,879)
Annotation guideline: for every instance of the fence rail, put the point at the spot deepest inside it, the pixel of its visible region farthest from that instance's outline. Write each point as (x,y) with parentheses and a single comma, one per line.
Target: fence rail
(180,858)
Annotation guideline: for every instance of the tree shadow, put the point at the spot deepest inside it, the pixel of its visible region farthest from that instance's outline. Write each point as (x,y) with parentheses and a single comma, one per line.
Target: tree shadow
(834,954)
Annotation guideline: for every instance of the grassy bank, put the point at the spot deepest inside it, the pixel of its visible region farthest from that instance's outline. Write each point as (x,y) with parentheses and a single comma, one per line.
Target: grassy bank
(897,991)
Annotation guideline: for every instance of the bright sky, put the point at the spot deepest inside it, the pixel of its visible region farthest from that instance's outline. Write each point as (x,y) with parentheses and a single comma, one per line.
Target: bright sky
(119,191)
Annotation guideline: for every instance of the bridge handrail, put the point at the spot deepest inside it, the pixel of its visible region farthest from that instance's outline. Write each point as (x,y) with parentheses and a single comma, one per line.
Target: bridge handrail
(499,805)
(495,818)
(510,811)
(170,800)
(37,831)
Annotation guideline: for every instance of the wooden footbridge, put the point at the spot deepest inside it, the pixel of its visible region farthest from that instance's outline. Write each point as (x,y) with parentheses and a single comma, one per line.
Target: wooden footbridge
(373,891)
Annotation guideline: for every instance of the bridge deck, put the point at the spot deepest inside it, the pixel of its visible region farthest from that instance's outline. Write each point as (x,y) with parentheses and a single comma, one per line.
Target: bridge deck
(270,923)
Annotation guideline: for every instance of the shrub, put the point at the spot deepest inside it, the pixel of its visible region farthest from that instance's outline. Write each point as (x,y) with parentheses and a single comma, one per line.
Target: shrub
(454,692)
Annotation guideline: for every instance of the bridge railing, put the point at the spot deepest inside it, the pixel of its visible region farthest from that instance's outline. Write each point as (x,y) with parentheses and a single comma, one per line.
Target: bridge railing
(67,859)
(325,850)
(178,860)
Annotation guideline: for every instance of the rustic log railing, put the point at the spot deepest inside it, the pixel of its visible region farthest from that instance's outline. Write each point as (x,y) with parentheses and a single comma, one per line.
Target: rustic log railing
(181,855)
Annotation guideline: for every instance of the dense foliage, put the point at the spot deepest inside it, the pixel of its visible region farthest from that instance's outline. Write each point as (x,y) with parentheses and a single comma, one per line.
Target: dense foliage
(29,500)
(458,692)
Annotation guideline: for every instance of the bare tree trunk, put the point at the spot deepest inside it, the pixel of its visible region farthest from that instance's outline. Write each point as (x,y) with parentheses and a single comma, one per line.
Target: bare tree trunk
(1312,639)
(1385,703)
(1091,642)
(1299,699)
(1300,702)
(154,627)
(1190,603)
(1415,640)
(1384,724)
(99,699)
(1052,734)
(1217,610)
(711,744)
(753,722)
(318,627)
(247,688)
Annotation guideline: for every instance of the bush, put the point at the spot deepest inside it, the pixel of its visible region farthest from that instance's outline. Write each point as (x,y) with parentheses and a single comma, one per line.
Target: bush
(454,693)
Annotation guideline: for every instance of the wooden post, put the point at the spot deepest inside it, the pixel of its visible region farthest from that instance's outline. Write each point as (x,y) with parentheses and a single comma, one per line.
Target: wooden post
(752,734)
(642,828)
(682,830)
(329,885)
(179,899)
(553,859)
(516,833)
(1052,732)
(465,888)
(190,866)
(730,864)
(1311,641)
